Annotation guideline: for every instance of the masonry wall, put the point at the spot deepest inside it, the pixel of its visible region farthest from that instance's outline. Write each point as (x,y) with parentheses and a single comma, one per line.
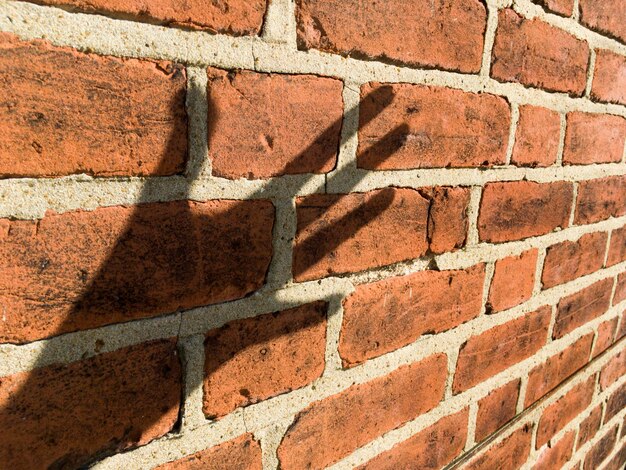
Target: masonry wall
(330,233)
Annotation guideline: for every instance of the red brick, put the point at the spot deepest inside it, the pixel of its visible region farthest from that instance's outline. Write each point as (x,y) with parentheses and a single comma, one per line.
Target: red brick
(513,281)
(522,53)
(617,248)
(605,16)
(570,260)
(615,404)
(600,199)
(431,449)
(250,360)
(240,453)
(67,112)
(521,209)
(537,137)
(263,125)
(620,295)
(606,333)
(577,309)
(593,138)
(496,409)
(497,349)
(447,35)
(547,376)
(589,427)
(117,264)
(609,78)
(236,17)
(614,370)
(557,455)
(388,402)
(68,416)
(601,450)
(511,453)
(556,416)
(429,127)
(563,7)
(383,316)
(621,332)
(619,459)
(339,233)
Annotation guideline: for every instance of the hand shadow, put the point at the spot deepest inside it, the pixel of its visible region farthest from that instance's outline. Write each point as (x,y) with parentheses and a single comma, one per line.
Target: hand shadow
(166,257)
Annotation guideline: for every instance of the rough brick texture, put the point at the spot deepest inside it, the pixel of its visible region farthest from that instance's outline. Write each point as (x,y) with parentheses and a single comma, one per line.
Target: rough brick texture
(511,453)
(124,263)
(558,454)
(68,416)
(609,79)
(563,7)
(589,427)
(600,199)
(239,17)
(513,281)
(605,17)
(66,112)
(447,34)
(617,248)
(263,125)
(522,54)
(537,137)
(594,138)
(601,450)
(386,315)
(413,126)
(496,409)
(391,400)
(605,336)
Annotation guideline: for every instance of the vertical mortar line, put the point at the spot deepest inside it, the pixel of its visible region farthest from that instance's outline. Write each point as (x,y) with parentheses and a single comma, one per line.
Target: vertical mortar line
(572,215)
(490,35)
(334,321)
(192,349)
(453,357)
(576,11)
(590,72)
(198,164)
(279,24)
(490,269)
(472,215)
(270,438)
(523,386)
(541,259)
(608,248)
(283,234)
(471,426)
(561,148)
(613,290)
(552,322)
(512,132)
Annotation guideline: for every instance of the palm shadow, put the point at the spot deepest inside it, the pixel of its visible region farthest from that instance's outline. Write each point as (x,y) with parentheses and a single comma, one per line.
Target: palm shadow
(168,257)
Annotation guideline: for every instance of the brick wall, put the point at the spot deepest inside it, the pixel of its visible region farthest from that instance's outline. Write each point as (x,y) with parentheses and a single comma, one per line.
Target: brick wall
(273,234)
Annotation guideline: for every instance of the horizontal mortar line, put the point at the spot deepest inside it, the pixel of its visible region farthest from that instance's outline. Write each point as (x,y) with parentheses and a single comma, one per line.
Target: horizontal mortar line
(30,198)
(199,48)
(619,443)
(408,430)
(213,433)
(80,344)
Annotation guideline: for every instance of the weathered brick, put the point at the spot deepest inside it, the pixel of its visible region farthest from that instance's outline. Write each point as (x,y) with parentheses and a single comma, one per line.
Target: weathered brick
(557,455)
(68,112)
(243,452)
(619,459)
(448,34)
(511,453)
(386,315)
(250,360)
(617,248)
(563,7)
(547,376)
(609,78)
(236,17)
(601,450)
(388,402)
(606,333)
(522,209)
(570,260)
(499,348)
(556,416)
(496,409)
(589,427)
(600,199)
(513,281)
(620,296)
(339,233)
(593,138)
(621,332)
(263,125)
(431,449)
(615,404)
(522,54)
(605,16)
(117,264)
(577,309)
(430,127)
(67,416)
(537,137)
(614,370)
